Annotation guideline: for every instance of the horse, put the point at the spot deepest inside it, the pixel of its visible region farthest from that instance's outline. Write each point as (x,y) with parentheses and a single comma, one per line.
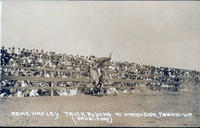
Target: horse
(94,75)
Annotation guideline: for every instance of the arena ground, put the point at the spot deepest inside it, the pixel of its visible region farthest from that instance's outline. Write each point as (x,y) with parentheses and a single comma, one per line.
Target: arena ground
(138,102)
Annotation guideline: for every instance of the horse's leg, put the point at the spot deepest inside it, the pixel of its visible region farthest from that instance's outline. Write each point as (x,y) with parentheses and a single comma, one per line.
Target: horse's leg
(94,87)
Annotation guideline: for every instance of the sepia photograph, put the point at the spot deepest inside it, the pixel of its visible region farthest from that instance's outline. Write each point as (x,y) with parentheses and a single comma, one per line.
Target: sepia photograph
(71,63)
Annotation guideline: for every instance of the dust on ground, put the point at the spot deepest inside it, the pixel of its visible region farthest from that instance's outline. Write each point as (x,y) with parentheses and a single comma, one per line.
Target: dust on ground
(145,101)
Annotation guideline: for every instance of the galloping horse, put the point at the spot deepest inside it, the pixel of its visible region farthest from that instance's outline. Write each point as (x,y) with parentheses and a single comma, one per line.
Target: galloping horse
(94,75)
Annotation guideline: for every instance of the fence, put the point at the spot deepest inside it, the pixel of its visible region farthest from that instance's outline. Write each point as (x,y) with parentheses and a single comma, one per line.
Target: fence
(83,80)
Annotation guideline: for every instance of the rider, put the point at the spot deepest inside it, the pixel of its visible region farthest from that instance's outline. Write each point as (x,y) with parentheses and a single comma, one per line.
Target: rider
(98,64)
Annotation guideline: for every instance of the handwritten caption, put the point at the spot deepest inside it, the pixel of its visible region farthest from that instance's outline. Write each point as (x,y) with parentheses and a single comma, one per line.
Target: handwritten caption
(100,116)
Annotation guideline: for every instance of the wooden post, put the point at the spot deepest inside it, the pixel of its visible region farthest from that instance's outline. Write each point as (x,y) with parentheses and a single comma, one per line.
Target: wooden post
(52,88)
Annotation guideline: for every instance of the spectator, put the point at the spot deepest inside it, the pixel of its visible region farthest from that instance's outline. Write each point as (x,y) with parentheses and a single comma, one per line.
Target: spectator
(34,63)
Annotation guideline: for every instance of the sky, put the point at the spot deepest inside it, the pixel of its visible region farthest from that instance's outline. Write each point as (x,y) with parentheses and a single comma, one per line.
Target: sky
(148,32)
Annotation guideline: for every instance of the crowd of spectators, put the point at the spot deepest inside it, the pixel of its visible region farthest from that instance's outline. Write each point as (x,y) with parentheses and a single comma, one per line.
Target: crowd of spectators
(38,63)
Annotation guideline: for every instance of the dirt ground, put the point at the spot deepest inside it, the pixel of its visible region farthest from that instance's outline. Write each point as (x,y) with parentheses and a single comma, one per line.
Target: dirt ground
(138,102)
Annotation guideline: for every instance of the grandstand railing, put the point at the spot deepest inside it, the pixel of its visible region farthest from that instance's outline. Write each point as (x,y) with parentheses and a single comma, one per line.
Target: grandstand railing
(82,80)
